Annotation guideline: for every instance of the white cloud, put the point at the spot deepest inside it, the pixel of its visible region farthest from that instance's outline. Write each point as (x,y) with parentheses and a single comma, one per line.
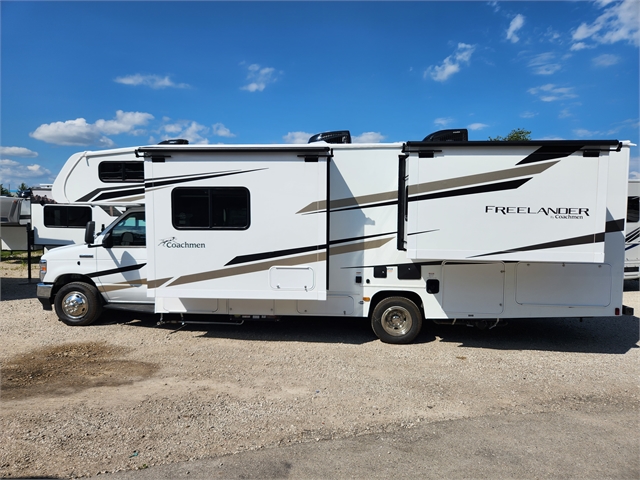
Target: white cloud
(368,137)
(619,22)
(259,78)
(220,130)
(189,130)
(583,132)
(634,174)
(544,64)
(17,152)
(80,133)
(451,64)
(477,126)
(297,137)
(153,81)
(443,121)
(552,93)
(528,114)
(580,46)
(605,60)
(125,122)
(15,173)
(72,132)
(515,25)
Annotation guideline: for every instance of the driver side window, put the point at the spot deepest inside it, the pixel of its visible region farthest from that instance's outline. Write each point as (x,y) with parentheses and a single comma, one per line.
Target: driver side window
(130,231)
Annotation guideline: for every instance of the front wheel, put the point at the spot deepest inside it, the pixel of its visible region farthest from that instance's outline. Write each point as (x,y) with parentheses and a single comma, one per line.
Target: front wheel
(396,320)
(78,304)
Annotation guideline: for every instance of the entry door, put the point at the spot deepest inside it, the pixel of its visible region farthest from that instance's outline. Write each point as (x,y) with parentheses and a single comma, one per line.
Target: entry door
(122,268)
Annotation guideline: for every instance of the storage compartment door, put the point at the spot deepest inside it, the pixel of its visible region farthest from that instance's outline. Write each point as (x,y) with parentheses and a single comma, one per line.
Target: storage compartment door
(491,203)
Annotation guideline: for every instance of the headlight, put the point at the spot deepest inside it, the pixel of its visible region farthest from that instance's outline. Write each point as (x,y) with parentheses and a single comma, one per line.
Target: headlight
(43,269)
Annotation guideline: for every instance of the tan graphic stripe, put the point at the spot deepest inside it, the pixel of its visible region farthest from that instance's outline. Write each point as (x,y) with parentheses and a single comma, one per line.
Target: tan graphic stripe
(349,202)
(428,187)
(479,178)
(122,285)
(244,269)
(156,283)
(262,266)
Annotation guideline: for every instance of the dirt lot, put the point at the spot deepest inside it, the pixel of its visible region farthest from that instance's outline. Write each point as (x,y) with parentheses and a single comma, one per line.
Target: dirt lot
(125,394)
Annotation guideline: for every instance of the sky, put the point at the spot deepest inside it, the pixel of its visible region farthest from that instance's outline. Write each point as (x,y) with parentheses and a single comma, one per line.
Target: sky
(79,76)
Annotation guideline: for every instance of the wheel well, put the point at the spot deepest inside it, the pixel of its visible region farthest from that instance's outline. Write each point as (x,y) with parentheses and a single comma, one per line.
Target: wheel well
(68,278)
(413,296)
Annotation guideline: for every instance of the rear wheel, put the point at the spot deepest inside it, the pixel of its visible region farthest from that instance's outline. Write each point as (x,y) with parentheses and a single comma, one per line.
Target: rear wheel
(78,304)
(396,320)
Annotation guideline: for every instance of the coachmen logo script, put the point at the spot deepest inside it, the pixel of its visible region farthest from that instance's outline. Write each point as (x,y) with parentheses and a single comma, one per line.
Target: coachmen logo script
(173,243)
(558,213)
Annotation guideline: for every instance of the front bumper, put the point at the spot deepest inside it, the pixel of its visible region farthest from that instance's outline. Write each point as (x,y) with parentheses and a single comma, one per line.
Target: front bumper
(43,293)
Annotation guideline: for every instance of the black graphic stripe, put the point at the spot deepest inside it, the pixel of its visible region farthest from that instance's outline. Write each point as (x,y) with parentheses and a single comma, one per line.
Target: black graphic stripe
(549,153)
(631,236)
(112,192)
(130,268)
(492,187)
(256,257)
(111,195)
(610,227)
(424,231)
(193,178)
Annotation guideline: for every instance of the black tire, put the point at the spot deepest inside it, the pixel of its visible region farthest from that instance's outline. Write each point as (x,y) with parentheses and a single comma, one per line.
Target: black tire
(396,320)
(78,304)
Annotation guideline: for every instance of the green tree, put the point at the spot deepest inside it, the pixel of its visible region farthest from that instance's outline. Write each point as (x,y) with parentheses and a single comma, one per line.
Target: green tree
(23,187)
(4,191)
(515,135)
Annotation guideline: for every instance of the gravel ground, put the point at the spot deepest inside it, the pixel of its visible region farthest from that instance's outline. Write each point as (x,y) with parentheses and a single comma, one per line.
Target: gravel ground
(125,394)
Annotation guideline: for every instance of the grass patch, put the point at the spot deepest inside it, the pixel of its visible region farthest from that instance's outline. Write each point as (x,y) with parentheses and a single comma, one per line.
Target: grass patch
(19,257)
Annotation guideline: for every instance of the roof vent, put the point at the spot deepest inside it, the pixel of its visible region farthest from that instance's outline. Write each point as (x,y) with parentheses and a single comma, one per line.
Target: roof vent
(339,136)
(175,141)
(457,135)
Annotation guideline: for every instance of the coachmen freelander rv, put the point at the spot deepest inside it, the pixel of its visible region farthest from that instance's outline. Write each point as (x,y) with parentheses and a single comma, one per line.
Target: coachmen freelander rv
(444,229)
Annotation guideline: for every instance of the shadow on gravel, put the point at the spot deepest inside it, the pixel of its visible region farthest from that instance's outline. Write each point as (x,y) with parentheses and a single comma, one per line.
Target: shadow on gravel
(614,335)
(12,288)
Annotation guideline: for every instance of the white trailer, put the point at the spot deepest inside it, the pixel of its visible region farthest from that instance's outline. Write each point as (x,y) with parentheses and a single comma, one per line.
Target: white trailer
(453,231)
(14,216)
(632,238)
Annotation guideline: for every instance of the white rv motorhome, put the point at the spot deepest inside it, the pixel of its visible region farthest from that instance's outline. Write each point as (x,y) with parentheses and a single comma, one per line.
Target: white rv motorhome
(444,229)
(632,238)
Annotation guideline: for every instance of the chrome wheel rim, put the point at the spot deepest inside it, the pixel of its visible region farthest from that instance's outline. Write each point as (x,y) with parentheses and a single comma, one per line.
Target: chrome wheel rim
(396,321)
(75,305)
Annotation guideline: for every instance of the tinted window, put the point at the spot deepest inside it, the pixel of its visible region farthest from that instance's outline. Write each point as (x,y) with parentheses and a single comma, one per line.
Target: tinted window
(64,216)
(633,205)
(130,231)
(224,208)
(121,171)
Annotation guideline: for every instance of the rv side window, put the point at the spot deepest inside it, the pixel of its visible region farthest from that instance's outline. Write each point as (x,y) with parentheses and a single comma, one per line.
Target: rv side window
(633,214)
(121,171)
(220,208)
(64,216)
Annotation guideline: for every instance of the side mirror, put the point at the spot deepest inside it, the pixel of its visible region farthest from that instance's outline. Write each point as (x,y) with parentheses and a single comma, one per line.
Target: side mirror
(107,241)
(89,232)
